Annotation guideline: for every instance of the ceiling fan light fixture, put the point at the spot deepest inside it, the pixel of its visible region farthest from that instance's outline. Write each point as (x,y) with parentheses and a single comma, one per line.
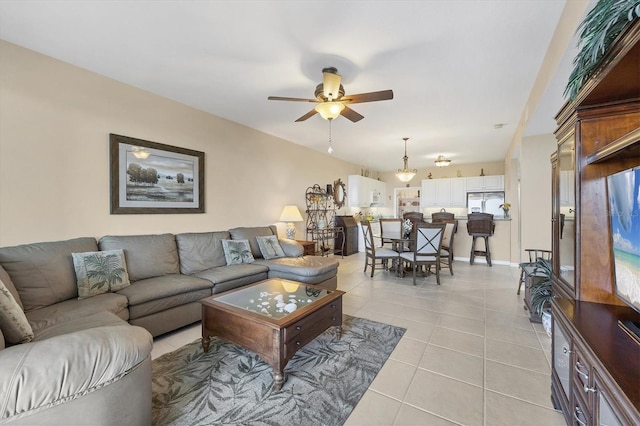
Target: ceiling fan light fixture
(329,110)
(442,162)
(404,174)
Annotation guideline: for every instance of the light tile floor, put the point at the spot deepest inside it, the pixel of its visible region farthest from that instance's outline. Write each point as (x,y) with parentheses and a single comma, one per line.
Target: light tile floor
(470,356)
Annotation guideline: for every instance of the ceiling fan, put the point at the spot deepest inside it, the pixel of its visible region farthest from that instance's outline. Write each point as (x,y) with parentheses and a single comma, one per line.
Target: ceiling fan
(332,100)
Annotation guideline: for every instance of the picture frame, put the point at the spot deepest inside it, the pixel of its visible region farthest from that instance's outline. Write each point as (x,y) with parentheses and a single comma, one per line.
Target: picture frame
(153,178)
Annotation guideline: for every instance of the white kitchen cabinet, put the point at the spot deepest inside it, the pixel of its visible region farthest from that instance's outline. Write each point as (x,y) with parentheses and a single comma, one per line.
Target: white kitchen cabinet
(485,183)
(362,191)
(458,192)
(435,193)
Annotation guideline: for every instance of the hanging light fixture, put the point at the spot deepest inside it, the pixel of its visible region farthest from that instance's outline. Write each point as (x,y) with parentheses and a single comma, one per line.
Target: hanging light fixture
(442,162)
(329,110)
(405,175)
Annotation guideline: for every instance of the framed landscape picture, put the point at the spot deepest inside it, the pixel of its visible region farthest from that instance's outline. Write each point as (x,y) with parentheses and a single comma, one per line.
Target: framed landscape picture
(151,178)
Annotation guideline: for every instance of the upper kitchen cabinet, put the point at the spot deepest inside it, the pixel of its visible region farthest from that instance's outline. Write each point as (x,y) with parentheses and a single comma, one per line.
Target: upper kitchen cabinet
(435,193)
(365,192)
(485,183)
(458,192)
(444,192)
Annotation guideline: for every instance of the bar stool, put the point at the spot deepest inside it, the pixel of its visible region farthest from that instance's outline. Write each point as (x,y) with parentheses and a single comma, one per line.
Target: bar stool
(480,225)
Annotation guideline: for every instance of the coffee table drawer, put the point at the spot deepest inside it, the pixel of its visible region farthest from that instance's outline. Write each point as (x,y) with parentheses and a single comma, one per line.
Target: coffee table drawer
(332,312)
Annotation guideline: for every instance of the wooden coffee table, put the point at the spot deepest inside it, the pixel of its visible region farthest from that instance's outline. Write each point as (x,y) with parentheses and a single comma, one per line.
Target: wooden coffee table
(273,318)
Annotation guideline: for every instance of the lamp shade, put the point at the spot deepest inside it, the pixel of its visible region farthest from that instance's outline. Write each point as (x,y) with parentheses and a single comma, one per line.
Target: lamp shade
(291,214)
(405,176)
(329,110)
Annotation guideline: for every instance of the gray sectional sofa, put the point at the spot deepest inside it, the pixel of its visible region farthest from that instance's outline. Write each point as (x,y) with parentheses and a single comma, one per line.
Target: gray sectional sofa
(85,352)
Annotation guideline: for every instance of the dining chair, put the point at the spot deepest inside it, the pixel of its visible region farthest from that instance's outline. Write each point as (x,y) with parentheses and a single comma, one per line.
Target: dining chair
(446,251)
(390,229)
(534,255)
(426,248)
(374,254)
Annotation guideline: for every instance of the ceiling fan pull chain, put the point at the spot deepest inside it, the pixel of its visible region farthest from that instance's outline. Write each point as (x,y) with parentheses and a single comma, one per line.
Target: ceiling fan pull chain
(330,150)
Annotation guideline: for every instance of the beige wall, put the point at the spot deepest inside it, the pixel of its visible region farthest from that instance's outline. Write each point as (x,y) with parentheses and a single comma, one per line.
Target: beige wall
(55,121)
(535,185)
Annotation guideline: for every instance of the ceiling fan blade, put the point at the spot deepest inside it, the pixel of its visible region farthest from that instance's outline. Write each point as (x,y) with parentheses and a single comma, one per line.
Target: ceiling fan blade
(350,114)
(382,95)
(331,85)
(280,98)
(307,115)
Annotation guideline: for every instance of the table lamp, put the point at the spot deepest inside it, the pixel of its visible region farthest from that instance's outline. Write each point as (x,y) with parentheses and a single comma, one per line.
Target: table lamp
(291,214)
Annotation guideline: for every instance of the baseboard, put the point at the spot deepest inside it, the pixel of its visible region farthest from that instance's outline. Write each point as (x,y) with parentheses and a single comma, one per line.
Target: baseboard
(484,261)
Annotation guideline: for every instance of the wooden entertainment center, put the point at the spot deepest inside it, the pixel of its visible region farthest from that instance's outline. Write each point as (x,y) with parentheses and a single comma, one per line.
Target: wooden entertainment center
(596,364)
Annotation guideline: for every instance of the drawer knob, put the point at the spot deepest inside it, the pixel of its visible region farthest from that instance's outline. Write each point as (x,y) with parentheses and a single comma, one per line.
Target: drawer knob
(587,389)
(333,319)
(298,327)
(298,343)
(333,306)
(565,350)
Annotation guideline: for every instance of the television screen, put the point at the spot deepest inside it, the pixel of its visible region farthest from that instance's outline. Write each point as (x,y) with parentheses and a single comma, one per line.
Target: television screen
(624,204)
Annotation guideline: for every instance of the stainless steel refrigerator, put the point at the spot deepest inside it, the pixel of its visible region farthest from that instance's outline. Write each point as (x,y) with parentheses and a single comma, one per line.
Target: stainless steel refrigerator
(485,202)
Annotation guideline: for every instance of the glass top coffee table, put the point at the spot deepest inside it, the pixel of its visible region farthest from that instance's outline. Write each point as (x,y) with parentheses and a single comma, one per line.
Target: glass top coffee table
(273,318)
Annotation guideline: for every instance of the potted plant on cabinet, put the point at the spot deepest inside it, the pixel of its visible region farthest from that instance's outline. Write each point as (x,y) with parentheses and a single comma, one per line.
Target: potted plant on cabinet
(541,292)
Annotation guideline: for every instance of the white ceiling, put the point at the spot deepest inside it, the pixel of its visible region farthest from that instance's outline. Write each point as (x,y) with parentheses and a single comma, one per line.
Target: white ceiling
(457,68)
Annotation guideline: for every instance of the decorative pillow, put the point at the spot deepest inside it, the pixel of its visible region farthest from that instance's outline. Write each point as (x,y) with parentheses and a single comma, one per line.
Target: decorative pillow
(237,251)
(13,322)
(98,272)
(270,247)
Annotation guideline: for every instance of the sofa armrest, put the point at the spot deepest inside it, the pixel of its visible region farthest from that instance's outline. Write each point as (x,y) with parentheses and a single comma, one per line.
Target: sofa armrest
(291,248)
(39,375)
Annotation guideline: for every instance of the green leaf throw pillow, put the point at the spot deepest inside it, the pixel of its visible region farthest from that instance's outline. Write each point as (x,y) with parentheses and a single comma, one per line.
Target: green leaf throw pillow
(237,251)
(99,272)
(13,322)
(270,247)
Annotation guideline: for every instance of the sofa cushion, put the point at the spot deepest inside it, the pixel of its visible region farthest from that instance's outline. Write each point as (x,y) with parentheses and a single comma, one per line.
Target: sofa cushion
(93,320)
(160,305)
(147,256)
(250,234)
(201,251)
(13,322)
(161,287)
(100,271)
(231,272)
(270,247)
(6,279)
(75,308)
(307,266)
(43,272)
(40,375)
(237,251)
(291,248)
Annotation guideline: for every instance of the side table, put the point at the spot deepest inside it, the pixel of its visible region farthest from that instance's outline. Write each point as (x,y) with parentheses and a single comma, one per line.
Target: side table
(309,247)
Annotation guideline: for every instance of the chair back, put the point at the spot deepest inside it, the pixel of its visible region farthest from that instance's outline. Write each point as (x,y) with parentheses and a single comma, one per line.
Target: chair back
(418,216)
(428,239)
(369,247)
(440,217)
(390,228)
(480,224)
(450,227)
(535,254)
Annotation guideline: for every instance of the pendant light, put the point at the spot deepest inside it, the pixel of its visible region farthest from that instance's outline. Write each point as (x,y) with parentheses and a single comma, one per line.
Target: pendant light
(442,162)
(405,175)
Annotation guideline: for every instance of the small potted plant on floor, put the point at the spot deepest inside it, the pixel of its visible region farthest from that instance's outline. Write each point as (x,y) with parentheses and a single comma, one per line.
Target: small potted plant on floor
(541,292)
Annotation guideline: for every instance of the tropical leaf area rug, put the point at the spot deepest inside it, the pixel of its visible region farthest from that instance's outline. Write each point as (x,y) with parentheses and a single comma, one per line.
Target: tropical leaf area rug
(229,385)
